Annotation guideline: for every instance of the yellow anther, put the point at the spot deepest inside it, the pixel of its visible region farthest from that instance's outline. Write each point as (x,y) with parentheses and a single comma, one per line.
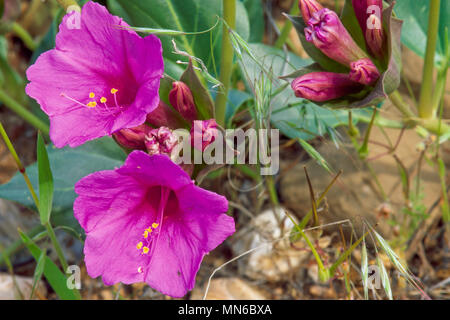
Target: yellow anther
(139,245)
(155,225)
(140,269)
(145,250)
(145,234)
(149,230)
(92,104)
(103,100)
(114,91)
(91,95)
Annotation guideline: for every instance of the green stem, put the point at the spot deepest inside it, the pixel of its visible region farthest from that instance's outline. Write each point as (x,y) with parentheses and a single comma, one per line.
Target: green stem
(56,245)
(401,105)
(226,66)
(272,191)
(364,149)
(24,36)
(426,108)
(287,26)
(23,113)
(19,164)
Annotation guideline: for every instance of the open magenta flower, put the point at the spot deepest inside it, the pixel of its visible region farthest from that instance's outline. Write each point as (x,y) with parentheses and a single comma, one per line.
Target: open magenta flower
(148,222)
(323,86)
(326,31)
(100,78)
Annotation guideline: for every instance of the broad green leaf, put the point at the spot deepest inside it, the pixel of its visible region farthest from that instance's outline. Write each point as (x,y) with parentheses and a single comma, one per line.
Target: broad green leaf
(45,181)
(69,165)
(415,16)
(256,18)
(186,16)
(54,276)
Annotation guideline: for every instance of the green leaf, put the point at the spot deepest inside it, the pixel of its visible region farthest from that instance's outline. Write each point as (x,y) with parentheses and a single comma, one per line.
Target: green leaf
(69,165)
(45,181)
(313,153)
(256,17)
(186,16)
(202,98)
(38,272)
(415,16)
(54,276)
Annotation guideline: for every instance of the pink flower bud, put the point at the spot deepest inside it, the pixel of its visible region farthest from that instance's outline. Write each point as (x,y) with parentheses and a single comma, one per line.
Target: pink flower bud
(204,132)
(308,8)
(133,138)
(364,8)
(165,116)
(375,37)
(324,86)
(181,99)
(364,71)
(326,31)
(160,141)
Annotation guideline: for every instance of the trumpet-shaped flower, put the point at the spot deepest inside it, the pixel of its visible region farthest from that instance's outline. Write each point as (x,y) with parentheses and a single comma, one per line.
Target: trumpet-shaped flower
(101,77)
(324,86)
(326,31)
(148,222)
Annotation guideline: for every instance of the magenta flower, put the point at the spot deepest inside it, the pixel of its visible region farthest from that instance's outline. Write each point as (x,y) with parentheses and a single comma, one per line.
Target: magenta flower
(148,222)
(203,133)
(99,79)
(375,38)
(364,71)
(324,86)
(308,8)
(326,31)
(181,99)
(364,8)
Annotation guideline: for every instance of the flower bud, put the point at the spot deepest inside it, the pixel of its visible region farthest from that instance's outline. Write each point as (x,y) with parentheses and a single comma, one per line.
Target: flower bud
(364,8)
(375,37)
(204,133)
(326,31)
(324,86)
(181,99)
(165,116)
(364,72)
(132,138)
(308,8)
(160,141)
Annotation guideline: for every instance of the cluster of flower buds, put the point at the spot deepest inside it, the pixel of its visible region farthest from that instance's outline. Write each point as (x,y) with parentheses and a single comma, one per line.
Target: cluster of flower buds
(156,136)
(326,31)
